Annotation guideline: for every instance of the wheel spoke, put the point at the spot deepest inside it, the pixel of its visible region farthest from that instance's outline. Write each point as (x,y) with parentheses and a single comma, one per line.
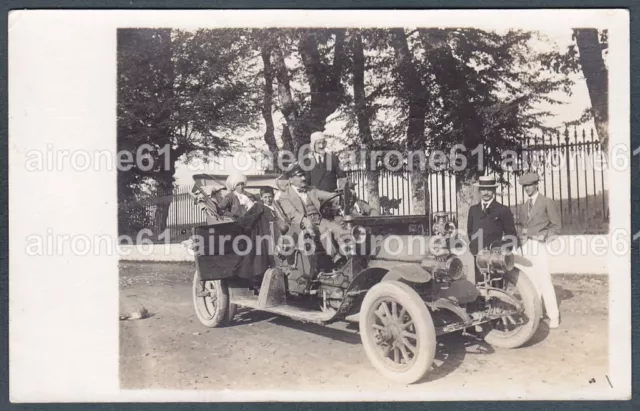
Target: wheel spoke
(410,346)
(405,354)
(402,313)
(410,335)
(382,318)
(386,309)
(394,309)
(386,350)
(407,324)
(396,355)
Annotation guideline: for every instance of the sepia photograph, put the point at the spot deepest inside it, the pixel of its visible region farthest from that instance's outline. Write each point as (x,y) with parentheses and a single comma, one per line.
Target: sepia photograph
(420,208)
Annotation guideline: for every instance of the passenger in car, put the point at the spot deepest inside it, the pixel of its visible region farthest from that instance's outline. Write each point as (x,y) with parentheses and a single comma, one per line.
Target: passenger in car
(301,202)
(238,201)
(266,195)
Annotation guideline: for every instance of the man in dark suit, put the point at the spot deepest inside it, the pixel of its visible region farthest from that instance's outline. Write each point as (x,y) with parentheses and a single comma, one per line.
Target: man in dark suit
(301,202)
(490,223)
(326,170)
(542,223)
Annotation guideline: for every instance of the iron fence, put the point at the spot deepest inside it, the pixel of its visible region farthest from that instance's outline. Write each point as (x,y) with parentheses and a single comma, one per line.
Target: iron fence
(572,169)
(571,166)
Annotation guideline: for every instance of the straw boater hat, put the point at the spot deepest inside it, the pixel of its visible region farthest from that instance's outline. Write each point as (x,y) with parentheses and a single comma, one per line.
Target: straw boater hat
(486,182)
(529,178)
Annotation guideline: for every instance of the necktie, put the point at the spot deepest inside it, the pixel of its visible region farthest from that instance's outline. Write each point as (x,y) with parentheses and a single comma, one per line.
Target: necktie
(530,207)
(320,159)
(484,208)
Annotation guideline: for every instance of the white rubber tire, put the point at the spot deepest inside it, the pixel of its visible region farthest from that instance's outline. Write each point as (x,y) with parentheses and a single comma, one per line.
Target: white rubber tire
(422,322)
(209,314)
(532,309)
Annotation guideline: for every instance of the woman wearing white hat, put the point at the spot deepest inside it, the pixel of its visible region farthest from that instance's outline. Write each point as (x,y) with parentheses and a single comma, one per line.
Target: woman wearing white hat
(238,201)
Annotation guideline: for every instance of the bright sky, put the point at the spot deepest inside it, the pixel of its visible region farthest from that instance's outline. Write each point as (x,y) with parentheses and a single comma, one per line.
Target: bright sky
(575,105)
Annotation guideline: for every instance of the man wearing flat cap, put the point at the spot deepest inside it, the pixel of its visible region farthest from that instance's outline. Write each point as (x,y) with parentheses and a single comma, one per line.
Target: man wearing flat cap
(326,171)
(542,224)
(300,202)
(490,223)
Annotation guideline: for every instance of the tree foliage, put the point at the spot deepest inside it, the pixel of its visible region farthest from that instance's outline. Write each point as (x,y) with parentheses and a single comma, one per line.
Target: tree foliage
(397,88)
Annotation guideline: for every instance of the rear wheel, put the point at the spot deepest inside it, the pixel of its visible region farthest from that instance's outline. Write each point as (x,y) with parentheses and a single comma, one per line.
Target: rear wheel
(397,332)
(211,302)
(515,330)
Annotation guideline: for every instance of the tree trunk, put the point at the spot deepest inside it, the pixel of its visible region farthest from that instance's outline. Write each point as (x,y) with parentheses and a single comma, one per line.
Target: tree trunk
(324,80)
(324,83)
(596,75)
(467,195)
(164,177)
(363,116)
(165,188)
(417,95)
(287,104)
(287,139)
(269,135)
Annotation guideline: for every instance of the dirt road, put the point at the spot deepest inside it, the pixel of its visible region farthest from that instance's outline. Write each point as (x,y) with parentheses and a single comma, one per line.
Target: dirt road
(172,350)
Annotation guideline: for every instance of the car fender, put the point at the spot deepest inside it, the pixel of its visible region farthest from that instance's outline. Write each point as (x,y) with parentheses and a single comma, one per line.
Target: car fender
(521,262)
(410,272)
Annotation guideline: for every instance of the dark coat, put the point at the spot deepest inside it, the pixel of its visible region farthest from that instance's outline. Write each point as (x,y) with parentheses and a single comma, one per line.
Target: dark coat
(256,222)
(325,176)
(484,229)
(230,204)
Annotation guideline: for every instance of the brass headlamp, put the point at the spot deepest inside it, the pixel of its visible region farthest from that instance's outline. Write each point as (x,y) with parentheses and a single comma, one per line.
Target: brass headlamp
(495,259)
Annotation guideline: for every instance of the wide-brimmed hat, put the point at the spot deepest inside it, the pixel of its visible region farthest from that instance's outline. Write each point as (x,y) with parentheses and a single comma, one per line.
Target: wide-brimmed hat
(234,179)
(486,182)
(529,178)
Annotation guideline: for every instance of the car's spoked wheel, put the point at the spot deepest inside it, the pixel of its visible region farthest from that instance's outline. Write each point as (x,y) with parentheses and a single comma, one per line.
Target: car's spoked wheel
(397,331)
(512,331)
(211,301)
(394,333)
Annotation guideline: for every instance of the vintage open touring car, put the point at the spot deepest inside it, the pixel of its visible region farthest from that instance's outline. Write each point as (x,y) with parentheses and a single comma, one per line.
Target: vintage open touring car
(403,300)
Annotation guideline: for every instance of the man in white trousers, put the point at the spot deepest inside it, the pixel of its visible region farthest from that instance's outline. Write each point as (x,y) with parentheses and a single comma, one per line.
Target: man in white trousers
(542,225)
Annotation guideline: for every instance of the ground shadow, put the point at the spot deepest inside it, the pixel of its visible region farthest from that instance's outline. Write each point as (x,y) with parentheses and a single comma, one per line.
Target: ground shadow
(345,336)
(562,294)
(540,335)
(451,352)
(246,316)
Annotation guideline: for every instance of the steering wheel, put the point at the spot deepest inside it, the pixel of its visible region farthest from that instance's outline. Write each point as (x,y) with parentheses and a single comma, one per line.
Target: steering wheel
(329,212)
(346,201)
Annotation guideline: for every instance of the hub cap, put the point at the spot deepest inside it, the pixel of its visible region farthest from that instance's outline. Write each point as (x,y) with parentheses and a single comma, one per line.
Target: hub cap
(393,333)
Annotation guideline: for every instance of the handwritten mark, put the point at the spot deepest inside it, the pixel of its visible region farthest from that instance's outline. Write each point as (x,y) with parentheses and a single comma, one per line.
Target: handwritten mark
(609,381)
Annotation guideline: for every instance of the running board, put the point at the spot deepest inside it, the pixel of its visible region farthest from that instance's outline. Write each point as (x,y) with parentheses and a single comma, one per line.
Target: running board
(296,313)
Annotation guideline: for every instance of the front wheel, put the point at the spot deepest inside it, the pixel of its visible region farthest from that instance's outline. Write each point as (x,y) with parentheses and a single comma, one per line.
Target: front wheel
(211,302)
(397,332)
(515,331)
